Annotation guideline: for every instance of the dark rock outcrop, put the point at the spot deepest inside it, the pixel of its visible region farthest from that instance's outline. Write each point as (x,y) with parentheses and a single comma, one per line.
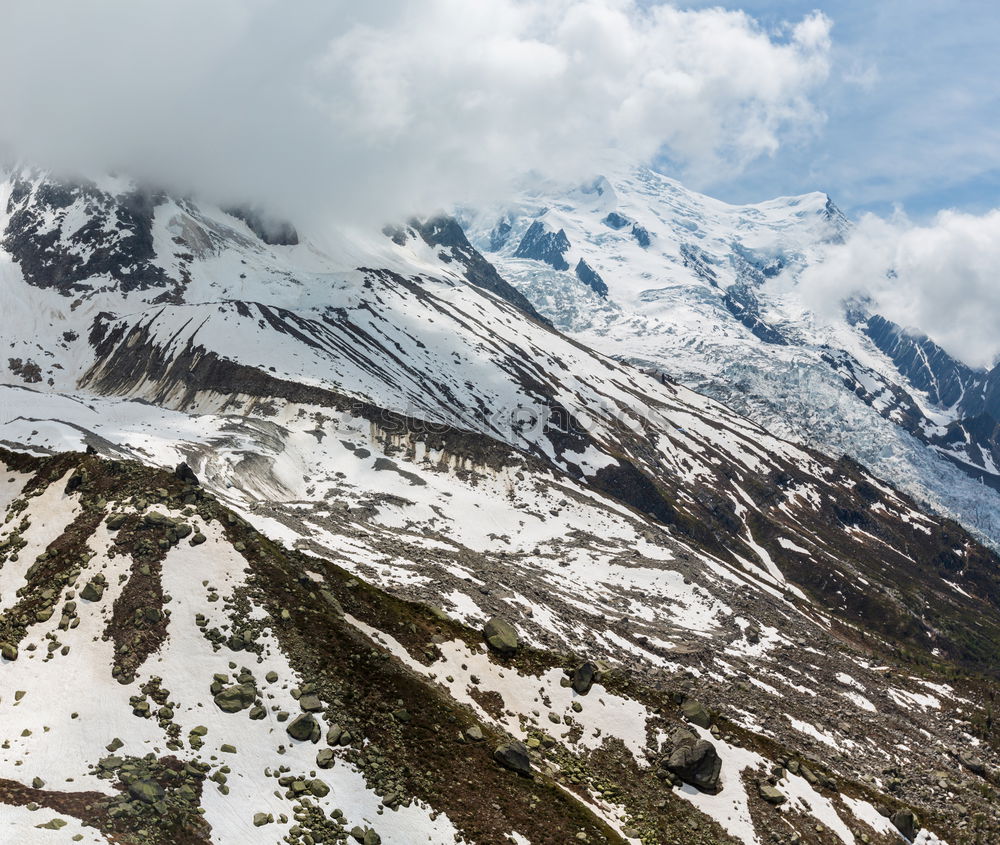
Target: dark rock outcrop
(591,278)
(446,232)
(111,237)
(541,244)
(906,822)
(270,230)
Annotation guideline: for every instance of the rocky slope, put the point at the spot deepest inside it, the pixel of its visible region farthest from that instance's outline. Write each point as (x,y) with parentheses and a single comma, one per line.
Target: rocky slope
(170,674)
(389,414)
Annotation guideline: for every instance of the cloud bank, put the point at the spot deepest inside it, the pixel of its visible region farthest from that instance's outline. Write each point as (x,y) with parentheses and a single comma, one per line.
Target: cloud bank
(941,279)
(392,106)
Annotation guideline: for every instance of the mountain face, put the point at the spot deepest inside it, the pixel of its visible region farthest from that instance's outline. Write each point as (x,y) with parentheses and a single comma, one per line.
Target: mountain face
(335,537)
(707,293)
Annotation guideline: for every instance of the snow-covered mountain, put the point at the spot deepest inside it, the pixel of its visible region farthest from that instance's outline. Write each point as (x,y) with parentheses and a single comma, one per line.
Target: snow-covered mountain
(642,269)
(706,633)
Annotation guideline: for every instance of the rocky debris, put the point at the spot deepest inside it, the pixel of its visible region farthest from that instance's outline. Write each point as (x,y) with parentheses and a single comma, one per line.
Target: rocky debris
(694,761)
(160,797)
(514,756)
(696,714)
(501,636)
(261,819)
(906,822)
(584,676)
(8,651)
(704,690)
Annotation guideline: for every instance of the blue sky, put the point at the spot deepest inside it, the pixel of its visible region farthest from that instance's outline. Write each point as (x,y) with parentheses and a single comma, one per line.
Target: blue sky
(912,109)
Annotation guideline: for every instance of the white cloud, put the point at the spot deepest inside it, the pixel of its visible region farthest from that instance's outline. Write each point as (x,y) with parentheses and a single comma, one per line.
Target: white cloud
(385,106)
(940,279)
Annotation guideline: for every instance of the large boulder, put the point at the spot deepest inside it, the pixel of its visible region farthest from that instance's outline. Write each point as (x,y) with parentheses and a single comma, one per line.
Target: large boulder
(695,713)
(184,472)
(514,756)
(695,761)
(501,636)
(303,728)
(906,822)
(236,698)
(92,591)
(973,764)
(584,676)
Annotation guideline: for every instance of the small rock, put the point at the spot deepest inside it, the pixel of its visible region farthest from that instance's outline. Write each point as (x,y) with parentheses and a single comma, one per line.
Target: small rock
(55,824)
(310,703)
(146,791)
(770,794)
